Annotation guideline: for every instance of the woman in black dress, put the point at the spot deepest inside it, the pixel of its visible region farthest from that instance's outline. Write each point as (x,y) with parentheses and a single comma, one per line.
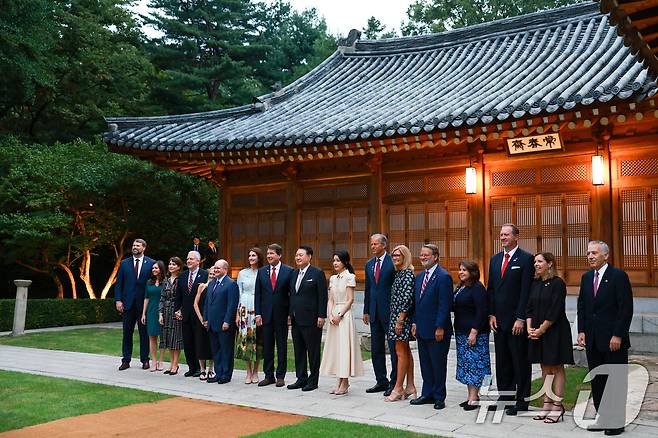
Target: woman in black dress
(550,334)
(402,302)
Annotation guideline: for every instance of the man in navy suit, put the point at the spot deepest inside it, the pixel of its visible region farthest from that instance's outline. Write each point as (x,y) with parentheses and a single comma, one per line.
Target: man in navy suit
(432,326)
(272,302)
(221,306)
(511,272)
(308,311)
(129,291)
(605,310)
(380,274)
(188,283)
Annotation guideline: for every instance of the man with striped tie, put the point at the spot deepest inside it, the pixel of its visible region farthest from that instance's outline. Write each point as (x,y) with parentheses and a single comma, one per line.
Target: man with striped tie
(432,326)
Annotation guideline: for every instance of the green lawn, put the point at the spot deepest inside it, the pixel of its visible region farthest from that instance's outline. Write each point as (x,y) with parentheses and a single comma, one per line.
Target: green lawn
(29,399)
(573,386)
(322,428)
(104,341)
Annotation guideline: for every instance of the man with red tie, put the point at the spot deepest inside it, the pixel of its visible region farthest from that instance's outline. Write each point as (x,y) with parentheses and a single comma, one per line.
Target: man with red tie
(129,290)
(271,305)
(380,274)
(605,310)
(510,275)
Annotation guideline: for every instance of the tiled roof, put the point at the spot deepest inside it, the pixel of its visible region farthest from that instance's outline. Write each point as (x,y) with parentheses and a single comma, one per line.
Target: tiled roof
(520,67)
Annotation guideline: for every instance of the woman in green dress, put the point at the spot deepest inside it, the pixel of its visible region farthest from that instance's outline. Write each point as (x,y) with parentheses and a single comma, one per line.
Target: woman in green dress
(150,312)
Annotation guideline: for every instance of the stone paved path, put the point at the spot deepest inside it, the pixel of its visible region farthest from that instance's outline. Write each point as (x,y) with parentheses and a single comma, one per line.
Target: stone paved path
(357,406)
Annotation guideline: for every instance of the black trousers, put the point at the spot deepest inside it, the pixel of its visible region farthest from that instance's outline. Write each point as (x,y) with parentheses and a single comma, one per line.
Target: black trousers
(513,369)
(275,333)
(189,344)
(378,336)
(129,318)
(307,340)
(613,409)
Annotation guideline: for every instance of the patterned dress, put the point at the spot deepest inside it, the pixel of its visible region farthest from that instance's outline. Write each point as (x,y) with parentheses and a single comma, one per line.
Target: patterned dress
(473,363)
(172,330)
(249,344)
(402,300)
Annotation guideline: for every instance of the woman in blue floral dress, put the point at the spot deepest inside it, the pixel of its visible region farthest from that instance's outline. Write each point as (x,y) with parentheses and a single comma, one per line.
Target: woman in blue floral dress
(471,331)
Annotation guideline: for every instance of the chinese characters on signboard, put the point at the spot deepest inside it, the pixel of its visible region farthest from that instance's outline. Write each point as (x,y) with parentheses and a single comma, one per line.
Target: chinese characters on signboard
(536,143)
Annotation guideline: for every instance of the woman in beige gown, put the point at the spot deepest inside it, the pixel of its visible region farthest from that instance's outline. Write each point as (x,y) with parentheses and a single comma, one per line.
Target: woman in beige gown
(342,353)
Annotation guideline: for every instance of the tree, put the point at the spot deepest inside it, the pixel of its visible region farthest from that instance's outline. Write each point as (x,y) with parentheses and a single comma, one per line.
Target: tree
(426,16)
(375,30)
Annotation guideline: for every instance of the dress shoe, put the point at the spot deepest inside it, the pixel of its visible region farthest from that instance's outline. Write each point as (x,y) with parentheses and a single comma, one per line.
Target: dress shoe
(280,383)
(310,387)
(388,391)
(223,381)
(611,432)
(297,385)
(515,410)
(266,381)
(464,403)
(213,380)
(190,373)
(470,407)
(439,405)
(167,372)
(145,365)
(124,366)
(380,387)
(174,372)
(197,374)
(422,400)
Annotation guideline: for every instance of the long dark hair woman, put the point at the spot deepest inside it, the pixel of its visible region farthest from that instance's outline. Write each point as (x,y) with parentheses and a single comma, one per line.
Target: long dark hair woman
(150,312)
(172,329)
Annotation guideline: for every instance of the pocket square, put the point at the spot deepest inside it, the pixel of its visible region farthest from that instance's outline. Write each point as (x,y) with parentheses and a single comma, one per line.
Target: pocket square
(515,267)
(310,279)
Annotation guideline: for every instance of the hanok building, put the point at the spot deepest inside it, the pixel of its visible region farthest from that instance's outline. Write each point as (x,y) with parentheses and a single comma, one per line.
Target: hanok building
(545,120)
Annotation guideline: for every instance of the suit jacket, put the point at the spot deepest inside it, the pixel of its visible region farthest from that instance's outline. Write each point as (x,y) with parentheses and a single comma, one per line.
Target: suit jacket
(377,299)
(210,257)
(185,296)
(272,304)
(202,249)
(433,308)
(609,313)
(129,289)
(508,296)
(309,302)
(221,303)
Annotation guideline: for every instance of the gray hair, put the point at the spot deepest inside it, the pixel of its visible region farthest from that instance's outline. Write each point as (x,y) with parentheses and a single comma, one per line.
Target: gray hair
(222,263)
(196,254)
(432,247)
(382,239)
(604,246)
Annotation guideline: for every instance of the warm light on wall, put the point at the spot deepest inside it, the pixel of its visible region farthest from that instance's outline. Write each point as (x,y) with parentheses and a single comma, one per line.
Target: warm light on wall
(471,180)
(597,170)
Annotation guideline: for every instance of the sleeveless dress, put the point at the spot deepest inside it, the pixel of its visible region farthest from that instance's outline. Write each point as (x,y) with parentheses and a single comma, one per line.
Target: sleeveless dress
(201,338)
(249,345)
(172,329)
(153,295)
(402,300)
(342,353)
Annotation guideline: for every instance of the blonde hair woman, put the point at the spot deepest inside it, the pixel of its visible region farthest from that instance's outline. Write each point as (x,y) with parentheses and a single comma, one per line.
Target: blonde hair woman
(402,303)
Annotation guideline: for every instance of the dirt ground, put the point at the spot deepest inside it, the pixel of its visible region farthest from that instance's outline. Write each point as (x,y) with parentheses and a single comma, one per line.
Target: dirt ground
(176,417)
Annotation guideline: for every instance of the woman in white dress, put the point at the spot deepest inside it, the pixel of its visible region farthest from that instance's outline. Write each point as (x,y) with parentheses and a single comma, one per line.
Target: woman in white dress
(249,341)
(342,353)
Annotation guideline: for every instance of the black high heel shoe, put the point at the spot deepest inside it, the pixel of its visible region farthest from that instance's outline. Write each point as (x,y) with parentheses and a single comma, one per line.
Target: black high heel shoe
(173,373)
(544,414)
(560,417)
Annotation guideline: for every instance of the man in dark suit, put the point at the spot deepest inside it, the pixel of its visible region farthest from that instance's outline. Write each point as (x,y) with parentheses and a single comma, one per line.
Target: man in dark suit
(211,255)
(129,291)
(308,311)
(432,326)
(605,310)
(223,297)
(272,302)
(510,275)
(196,245)
(188,283)
(380,274)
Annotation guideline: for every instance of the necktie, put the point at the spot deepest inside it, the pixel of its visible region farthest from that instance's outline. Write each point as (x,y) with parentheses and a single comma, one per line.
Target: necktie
(189,282)
(596,282)
(299,280)
(425,281)
(378,268)
(502,271)
(273,278)
(136,268)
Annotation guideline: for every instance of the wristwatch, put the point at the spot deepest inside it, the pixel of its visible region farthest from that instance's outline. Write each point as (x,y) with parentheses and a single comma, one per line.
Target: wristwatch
(340,314)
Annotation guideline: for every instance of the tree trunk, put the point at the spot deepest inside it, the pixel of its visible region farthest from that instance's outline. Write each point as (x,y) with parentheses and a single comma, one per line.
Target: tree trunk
(111,279)
(69,273)
(85,273)
(51,273)
(60,287)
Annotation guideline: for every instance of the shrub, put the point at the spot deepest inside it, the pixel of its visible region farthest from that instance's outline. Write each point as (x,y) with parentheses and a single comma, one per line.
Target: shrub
(56,313)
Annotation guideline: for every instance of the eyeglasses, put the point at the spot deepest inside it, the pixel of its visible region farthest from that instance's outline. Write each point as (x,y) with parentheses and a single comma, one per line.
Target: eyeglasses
(396,254)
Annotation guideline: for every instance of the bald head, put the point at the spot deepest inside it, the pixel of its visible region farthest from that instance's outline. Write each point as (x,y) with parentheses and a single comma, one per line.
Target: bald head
(220,268)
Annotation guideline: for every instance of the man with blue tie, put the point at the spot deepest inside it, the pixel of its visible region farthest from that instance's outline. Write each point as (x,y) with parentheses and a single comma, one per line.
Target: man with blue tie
(511,272)
(129,291)
(219,318)
(271,305)
(605,311)
(432,326)
(380,274)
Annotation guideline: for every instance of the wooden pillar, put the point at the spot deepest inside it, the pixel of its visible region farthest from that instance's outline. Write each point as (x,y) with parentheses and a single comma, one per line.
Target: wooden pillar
(376,193)
(476,215)
(293,224)
(223,222)
(602,226)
